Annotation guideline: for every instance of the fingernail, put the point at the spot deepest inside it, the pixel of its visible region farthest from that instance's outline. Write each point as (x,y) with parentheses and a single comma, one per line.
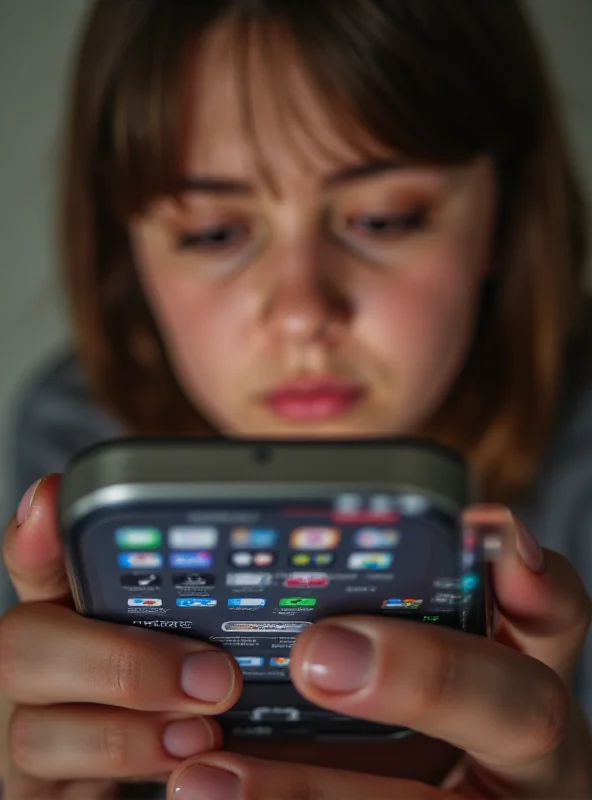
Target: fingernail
(338,660)
(22,511)
(206,783)
(207,676)
(529,549)
(187,737)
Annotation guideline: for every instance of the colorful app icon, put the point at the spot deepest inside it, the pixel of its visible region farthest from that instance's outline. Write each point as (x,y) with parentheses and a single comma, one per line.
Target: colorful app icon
(248,580)
(139,560)
(187,537)
(369,561)
(201,559)
(144,601)
(298,602)
(271,626)
(143,580)
(409,603)
(281,662)
(306,580)
(375,538)
(138,538)
(323,559)
(300,559)
(193,580)
(469,582)
(255,538)
(250,662)
(247,602)
(194,602)
(315,538)
(243,559)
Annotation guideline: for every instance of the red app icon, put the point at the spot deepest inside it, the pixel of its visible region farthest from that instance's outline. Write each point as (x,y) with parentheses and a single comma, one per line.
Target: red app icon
(307,580)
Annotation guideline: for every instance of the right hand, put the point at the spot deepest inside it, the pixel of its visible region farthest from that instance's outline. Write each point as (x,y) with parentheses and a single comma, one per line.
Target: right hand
(84,704)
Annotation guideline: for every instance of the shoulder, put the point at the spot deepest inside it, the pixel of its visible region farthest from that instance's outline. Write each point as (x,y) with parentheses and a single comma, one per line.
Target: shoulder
(55,416)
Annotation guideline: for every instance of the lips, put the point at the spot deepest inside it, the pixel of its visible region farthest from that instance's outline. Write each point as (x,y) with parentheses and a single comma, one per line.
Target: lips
(314,399)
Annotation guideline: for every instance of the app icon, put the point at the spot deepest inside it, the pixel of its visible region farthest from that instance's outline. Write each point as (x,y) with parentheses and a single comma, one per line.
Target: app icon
(412,505)
(243,559)
(348,504)
(314,538)
(193,602)
(248,580)
(312,559)
(381,504)
(409,603)
(256,538)
(298,602)
(247,602)
(193,580)
(186,537)
(306,580)
(138,538)
(250,661)
(279,661)
(469,582)
(139,560)
(369,561)
(201,559)
(373,538)
(144,601)
(265,627)
(141,579)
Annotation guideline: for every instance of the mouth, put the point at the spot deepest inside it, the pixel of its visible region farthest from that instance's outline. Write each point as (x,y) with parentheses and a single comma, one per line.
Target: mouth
(314,399)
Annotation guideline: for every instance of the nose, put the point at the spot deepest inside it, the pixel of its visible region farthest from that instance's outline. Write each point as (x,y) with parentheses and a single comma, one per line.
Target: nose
(305,305)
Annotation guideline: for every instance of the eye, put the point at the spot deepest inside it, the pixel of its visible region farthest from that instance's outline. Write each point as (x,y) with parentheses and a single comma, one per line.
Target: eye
(215,238)
(387,225)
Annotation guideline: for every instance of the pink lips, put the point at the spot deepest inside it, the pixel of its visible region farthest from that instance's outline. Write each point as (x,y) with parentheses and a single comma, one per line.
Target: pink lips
(313,399)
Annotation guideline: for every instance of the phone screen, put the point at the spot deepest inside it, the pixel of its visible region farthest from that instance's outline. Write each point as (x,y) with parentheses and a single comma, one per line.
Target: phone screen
(250,576)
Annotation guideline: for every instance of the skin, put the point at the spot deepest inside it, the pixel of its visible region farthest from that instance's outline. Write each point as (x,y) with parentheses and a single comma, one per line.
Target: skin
(296,295)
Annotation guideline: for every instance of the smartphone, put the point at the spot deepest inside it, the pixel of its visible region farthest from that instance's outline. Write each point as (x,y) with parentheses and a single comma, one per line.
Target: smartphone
(246,544)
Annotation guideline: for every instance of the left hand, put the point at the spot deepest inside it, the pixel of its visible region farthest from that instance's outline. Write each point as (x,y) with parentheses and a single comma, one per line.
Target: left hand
(502,710)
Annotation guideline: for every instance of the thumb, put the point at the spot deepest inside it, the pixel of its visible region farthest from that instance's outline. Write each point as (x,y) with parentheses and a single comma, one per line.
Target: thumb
(33,550)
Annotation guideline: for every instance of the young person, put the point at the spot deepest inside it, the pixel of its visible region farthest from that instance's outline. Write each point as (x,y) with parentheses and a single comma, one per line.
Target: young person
(329,219)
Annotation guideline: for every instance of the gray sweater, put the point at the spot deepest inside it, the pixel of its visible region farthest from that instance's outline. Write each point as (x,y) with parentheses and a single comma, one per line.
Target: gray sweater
(56,417)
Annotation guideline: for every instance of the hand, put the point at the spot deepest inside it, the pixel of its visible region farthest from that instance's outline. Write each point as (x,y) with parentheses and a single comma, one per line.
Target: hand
(506,704)
(84,704)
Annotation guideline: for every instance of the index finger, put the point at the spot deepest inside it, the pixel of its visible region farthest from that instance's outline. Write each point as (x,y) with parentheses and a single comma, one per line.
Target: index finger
(33,551)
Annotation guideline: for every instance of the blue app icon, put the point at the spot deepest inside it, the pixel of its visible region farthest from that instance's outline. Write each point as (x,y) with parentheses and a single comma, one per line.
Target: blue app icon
(253,538)
(469,582)
(201,559)
(139,560)
(250,661)
(247,602)
(192,602)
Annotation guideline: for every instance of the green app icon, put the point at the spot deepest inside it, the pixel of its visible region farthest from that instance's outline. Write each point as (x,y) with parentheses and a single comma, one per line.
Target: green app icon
(138,538)
(298,602)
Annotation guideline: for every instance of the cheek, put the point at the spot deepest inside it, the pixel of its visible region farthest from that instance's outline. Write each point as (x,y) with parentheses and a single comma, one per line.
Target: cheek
(419,318)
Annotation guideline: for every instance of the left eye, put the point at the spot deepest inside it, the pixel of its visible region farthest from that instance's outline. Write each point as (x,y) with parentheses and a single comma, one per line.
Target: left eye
(383,225)
(214,238)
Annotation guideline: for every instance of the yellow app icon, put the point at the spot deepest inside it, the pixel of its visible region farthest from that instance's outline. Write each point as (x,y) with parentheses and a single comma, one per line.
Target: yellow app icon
(300,560)
(315,538)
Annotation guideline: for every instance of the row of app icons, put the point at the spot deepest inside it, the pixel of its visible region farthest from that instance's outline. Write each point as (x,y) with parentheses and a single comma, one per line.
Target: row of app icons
(187,537)
(233,602)
(258,662)
(245,559)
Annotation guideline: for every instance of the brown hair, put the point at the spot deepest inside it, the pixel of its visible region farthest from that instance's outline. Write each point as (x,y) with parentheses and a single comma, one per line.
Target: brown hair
(439,81)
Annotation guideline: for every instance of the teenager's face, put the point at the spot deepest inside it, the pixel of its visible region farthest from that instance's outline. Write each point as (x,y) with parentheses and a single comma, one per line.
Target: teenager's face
(340,303)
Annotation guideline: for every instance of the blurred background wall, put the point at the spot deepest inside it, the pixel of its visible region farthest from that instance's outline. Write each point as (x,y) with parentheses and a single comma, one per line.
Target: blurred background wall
(36,38)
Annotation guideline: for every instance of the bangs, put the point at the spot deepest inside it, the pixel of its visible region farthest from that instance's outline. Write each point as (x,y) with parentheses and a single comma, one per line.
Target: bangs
(436,82)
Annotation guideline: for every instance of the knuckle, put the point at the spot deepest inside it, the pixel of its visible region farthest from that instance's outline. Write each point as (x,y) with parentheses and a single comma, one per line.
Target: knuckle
(551,719)
(115,746)
(23,744)
(434,682)
(124,673)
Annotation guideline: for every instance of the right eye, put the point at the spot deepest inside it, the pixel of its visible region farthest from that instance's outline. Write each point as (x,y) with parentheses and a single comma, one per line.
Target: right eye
(215,238)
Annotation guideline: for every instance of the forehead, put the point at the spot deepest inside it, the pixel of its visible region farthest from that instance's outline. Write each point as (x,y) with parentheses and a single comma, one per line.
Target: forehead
(253,109)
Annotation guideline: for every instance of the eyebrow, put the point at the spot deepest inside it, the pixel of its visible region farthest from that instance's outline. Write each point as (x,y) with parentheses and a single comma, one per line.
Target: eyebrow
(214,185)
